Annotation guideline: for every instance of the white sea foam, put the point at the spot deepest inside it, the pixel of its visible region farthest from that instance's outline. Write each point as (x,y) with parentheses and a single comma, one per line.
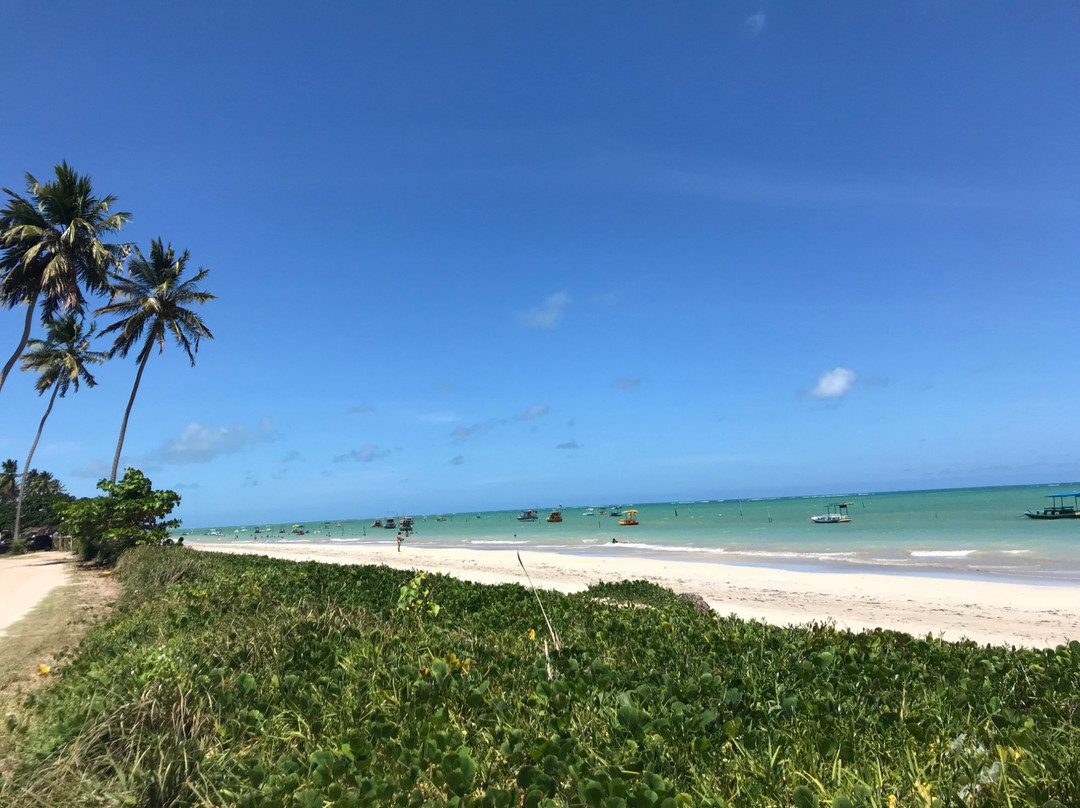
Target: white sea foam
(687,549)
(942,553)
(496,541)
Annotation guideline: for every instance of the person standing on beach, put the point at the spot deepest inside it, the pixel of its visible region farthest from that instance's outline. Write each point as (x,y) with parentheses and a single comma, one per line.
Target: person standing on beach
(399,541)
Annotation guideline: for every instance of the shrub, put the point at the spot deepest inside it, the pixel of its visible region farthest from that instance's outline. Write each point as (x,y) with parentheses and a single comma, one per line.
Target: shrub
(129,515)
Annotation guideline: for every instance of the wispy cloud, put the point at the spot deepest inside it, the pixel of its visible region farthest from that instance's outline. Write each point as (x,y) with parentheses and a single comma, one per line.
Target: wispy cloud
(752,186)
(95,470)
(547,314)
(457,461)
(755,23)
(199,443)
(628,384)
(535,411)
(467,430)
(573,444)
(360,409)
(439,418)
(834,383)
(292,457)
(365,454)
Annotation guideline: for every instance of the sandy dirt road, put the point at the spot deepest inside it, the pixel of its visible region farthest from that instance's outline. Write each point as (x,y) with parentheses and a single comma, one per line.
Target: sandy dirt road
(25,580)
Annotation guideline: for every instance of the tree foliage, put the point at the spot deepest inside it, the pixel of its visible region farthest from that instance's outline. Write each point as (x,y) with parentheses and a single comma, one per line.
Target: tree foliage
(152,303)
(53,249)
(130,514)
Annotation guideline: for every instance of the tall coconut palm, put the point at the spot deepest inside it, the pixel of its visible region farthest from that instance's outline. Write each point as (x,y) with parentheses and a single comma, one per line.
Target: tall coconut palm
(53,249)
(151,299)
(61,360)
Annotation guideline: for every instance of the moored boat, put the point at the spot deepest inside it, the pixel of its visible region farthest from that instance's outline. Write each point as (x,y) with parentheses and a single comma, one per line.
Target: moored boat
(554,516)
(629,518)
(390,524)
(527,516)
(1058,509)
(834,514)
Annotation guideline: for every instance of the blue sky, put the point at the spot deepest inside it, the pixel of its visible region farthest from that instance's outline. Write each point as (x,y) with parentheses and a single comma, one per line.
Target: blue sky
(504,255)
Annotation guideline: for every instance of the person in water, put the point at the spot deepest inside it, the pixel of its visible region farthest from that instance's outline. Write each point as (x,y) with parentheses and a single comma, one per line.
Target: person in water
(619,541)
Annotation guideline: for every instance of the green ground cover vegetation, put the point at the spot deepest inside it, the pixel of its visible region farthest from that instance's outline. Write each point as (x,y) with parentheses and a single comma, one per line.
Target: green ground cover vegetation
(247,681)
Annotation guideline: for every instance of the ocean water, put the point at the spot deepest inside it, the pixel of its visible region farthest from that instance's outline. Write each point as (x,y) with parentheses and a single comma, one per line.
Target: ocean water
(970,532)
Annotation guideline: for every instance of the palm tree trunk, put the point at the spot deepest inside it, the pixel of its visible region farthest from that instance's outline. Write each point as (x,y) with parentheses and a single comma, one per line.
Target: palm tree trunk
(25,338)
(30,458)
(127,412)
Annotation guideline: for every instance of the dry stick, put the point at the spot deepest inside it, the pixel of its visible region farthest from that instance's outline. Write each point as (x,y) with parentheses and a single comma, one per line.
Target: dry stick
(554,636)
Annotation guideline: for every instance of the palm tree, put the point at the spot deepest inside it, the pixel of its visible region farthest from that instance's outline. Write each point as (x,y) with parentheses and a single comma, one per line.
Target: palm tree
(9,474)
(61,360)
(151,298)
(53,249)
(43,483)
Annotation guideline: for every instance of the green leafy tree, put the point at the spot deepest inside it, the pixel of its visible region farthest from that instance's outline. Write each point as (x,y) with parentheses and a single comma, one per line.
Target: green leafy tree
(152,300)
(60,360)
(53,248)
(131,514)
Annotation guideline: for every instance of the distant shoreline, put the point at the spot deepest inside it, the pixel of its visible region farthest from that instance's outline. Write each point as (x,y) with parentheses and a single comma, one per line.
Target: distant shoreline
(986,611)
(1060,577)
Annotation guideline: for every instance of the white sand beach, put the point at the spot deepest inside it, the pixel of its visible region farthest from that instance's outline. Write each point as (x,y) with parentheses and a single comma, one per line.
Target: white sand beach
(25,580)
(984,611)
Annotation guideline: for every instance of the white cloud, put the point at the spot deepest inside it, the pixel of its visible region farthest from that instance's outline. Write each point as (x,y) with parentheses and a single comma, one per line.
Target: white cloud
(360,409)
(365,454)
(547,314)
(199,443)
(834,383)
(535,411)
(628,384)
(755,23)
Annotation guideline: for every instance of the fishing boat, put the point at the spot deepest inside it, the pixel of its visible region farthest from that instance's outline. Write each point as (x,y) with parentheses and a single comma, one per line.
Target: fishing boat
(1058,509)
(377,523)
(589,512)
(554,516)
(614,510)
(834,514)
(629,518)
(405,524)
(389,524)
(527,516)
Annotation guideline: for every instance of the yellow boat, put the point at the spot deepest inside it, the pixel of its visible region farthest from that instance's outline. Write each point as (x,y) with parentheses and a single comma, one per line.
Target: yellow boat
(630,518)
(554,516)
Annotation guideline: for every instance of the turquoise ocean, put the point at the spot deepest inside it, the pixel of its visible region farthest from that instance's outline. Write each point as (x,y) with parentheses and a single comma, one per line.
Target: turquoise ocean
(968,532)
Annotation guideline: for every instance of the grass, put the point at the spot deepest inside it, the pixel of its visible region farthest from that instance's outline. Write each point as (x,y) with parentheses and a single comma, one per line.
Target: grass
(45,636)
(255,682)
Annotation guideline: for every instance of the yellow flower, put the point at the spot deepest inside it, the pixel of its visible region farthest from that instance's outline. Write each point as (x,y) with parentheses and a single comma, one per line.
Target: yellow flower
(43,669)
(532,634)
(892,801)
